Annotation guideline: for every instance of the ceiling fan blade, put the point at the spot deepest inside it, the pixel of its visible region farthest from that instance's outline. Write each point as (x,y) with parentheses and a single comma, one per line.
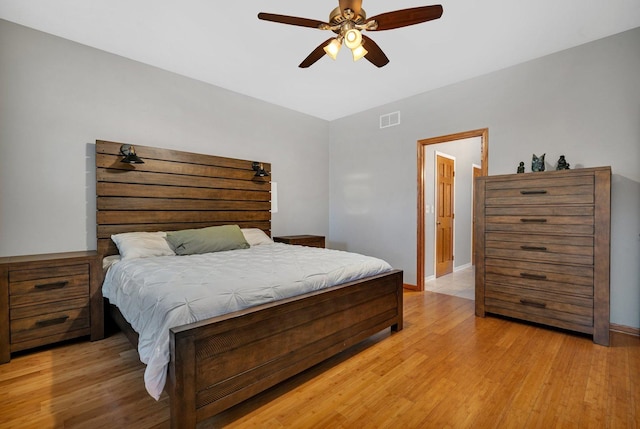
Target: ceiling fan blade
(315,55)
(291,20)
(374,53)
(354,5)
(406,17)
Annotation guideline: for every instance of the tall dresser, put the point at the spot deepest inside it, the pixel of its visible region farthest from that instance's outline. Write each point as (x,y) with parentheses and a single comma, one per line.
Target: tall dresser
(542,248)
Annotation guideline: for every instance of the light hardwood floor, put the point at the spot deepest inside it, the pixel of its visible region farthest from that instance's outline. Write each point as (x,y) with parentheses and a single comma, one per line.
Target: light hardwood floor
(447,368)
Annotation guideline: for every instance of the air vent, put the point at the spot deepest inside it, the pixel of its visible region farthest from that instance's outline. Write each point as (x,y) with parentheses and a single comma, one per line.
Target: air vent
(390,120)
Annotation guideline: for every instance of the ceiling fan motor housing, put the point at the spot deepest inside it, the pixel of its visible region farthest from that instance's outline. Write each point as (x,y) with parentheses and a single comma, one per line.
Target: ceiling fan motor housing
(336,17)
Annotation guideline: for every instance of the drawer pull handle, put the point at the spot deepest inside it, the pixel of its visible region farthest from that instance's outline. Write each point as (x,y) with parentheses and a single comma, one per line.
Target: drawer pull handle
(533,220)
(51,286)
(51,322)
(533,303)
(541,191)
(533,276)
(534,248)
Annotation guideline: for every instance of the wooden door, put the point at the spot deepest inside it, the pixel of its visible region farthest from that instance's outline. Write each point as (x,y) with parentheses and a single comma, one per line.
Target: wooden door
(444,215)
(477,172)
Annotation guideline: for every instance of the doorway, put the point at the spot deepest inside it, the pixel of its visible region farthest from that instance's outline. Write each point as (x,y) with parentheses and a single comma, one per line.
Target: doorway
(423,172)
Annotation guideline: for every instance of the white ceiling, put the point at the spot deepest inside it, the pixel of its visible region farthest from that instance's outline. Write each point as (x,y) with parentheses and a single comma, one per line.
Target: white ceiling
(224,43)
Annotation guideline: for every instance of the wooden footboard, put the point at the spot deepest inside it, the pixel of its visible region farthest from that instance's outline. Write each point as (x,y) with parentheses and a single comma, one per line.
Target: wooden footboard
(219,362)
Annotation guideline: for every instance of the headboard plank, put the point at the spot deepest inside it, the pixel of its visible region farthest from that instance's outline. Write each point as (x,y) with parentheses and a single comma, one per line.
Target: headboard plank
(173,167)
(116,203)
(110,189)
(147,152)
(175,190)
(117,175)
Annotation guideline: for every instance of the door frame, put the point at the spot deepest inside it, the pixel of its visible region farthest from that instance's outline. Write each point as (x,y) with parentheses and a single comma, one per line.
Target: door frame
(483,133)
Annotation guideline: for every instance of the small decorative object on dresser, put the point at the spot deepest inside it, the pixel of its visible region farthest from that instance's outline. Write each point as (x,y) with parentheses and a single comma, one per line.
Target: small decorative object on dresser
(521,167)
(302,240)
(537,162)
(562,163)
(49,298)
(542,248)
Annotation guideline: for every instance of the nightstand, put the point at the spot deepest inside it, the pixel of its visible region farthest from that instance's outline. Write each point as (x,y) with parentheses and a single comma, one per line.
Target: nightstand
(302,240)
(49,298)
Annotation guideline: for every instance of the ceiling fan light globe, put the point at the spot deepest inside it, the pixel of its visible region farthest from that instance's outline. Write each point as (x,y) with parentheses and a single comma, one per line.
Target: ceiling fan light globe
(353,38)
(359,52)
(333,48)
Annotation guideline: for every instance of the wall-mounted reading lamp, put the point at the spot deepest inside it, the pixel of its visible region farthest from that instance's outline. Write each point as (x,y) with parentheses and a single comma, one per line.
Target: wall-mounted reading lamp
(129,153)
(259,169)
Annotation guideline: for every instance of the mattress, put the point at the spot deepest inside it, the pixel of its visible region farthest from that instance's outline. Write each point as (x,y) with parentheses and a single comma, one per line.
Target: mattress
(158,293)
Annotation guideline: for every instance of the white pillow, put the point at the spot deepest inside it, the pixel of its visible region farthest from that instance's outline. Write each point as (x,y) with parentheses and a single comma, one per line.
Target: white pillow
(142,244)
(256,236)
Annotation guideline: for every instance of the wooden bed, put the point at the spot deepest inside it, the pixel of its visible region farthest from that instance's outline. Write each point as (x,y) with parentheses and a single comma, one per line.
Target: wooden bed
(219,362)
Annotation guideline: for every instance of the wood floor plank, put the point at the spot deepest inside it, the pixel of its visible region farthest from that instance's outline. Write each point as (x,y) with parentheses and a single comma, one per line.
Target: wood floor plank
(447,368)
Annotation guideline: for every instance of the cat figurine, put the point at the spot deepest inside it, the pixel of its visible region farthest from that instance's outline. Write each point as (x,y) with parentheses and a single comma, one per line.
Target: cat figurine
(537,162)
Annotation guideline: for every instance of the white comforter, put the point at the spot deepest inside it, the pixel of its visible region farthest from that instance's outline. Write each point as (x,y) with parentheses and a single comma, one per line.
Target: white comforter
(156,294)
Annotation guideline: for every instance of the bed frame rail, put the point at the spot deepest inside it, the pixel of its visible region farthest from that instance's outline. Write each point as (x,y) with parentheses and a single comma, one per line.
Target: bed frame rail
(220,362)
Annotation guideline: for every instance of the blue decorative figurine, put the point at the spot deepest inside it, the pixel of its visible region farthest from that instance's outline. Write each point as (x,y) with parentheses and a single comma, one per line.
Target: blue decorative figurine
(537,162)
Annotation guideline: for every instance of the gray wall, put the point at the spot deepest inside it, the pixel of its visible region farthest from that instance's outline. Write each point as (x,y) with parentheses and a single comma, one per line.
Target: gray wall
(57,97)
(582,102)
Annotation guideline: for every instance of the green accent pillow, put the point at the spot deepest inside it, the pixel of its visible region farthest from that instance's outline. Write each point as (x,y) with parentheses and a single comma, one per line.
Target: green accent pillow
(207,240)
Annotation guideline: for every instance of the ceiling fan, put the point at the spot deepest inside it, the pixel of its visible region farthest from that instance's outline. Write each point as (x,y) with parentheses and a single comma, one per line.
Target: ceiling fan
(348,20)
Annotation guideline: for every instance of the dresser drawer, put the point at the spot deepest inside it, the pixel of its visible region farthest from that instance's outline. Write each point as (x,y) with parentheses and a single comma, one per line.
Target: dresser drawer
(63,321)
(558,310)
(540,248)
(541,220)
(544,277)
(550,190)
(28,287)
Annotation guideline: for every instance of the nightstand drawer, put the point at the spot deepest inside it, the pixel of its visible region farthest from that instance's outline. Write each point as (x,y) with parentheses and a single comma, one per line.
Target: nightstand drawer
(46,308)
(46,272)
(62,322)
(50,289)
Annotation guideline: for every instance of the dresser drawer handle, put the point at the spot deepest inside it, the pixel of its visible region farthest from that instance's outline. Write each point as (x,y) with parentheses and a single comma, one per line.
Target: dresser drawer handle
(533,220)
(533,276)
(51,322)
(541,191)
(533,303)
(534,248)
(51,286)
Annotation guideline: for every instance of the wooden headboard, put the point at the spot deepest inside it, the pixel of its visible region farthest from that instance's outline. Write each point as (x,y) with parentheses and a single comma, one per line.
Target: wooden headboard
(175,190)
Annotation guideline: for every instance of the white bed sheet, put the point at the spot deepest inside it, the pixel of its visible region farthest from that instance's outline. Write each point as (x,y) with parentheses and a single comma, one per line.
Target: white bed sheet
(159,293)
